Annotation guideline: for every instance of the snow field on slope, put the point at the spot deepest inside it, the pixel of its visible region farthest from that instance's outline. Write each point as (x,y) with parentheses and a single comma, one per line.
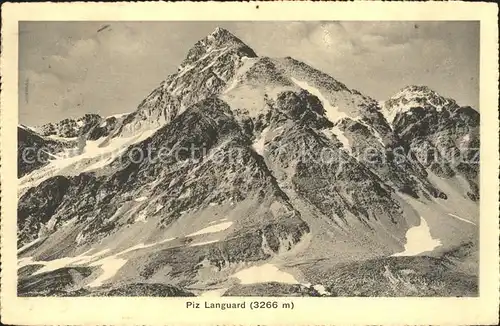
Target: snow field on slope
(264,273)
(271,273)
(109,265)
(419,240)
(92,151)
(52,265)
(346,144)
(461,218)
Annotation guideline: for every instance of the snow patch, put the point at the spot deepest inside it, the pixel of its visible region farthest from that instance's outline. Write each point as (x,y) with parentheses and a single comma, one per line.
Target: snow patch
(341,137)
(203,243)
(185,193)
(140,199)
(321,289)
(419,240)
(222,52)
(52,265)
(141,217)
(264,273)
(461,219)
(158,207)
(110,266)
(212,229)
(27,128)
(411,97)
(21,262)
(76,158)
(259,143)
(222,219)
(117,116)
(143,246)
(104,162)
(55,137)
(30,244)
(185,70)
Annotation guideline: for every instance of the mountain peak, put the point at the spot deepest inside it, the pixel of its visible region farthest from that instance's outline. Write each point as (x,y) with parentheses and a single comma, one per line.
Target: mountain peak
(216,43)
(219,31)
(413,96)
(221,37)
(421,93)
(417,90)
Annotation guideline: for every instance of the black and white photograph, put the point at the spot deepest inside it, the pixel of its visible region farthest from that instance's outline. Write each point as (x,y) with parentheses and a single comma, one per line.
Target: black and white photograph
(222,166)
(237,159)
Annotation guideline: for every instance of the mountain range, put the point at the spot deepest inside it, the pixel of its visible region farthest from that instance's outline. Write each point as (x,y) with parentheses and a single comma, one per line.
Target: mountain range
(245,175)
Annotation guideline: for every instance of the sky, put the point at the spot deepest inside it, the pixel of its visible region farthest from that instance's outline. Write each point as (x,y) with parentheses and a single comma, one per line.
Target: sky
(67,69)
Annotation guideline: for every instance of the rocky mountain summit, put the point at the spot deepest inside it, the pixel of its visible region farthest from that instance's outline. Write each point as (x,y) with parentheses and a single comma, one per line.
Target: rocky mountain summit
(444,135)
(206,71)
(92,126)
(240,165)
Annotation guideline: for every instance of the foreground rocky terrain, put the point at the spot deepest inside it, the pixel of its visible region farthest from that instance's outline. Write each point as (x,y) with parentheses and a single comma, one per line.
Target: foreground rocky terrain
(247,175)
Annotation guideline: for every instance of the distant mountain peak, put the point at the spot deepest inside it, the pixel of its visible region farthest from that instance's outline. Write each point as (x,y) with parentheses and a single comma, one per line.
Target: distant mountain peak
(223,36)
(220,40)
(413,96)
(419,90)
(219,31)
(422,94)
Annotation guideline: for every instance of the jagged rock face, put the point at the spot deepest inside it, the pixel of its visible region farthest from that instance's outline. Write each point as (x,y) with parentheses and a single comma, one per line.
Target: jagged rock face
(101,128)
(413,97)
(33,150)
(336,185)
(92,126)
(42,144)
(182,184)
(39,205)
(262,152)
(443,135)
(67,128)
(348,102)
